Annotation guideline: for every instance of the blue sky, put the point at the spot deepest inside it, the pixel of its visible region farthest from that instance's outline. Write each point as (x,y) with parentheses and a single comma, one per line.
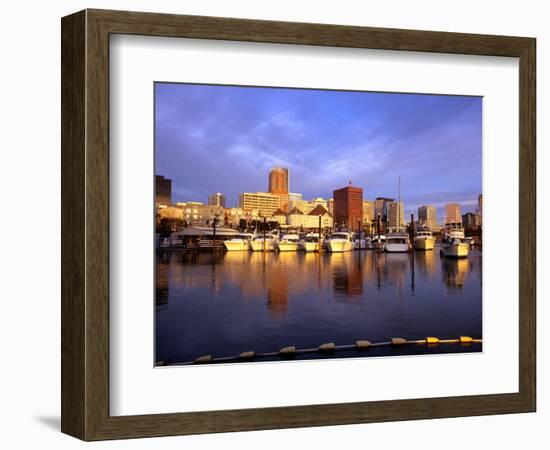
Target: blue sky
(226,138)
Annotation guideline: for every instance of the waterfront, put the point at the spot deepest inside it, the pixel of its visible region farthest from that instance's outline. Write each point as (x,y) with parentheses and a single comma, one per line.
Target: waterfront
(227,303)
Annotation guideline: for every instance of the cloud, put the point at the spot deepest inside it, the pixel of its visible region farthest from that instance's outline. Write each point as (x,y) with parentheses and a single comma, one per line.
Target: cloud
(225,139)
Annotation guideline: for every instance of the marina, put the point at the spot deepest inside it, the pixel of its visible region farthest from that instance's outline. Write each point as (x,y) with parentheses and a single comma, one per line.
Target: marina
(453,243)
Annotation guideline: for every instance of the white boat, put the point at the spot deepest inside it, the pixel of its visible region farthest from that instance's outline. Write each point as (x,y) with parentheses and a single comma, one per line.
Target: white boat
(454,244)
(360,242)
(378,243)
(369,244)
(340,241)
(239,243)
(288,243)
(424,240)
(258,244)
(397,241)
(310,242)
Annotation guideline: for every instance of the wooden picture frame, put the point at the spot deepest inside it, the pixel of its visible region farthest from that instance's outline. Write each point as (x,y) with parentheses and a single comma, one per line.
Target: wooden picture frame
(85,224)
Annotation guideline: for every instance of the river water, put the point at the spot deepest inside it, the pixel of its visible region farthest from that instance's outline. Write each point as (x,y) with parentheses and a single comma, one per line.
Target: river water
(227,303)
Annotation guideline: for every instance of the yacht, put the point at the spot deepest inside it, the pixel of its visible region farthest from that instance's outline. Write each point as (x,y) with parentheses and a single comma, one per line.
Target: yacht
(453,244)
(310,242)
(360,241)
(378,243)
(340,241)
(259,244)
(397,241)
(289,243)
(424,240)
(241,242)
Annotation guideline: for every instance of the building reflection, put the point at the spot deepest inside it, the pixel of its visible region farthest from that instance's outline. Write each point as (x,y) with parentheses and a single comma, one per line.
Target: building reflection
(161,283)
(277,283)
(347,274)
(276,279)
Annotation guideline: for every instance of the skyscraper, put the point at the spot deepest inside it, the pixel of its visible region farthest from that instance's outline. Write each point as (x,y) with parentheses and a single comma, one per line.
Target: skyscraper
(368,212)
(163,190)
(471,220)
(381,207)
(279,185)
(396,214)
(452,213)
(216,199)
(427,217)
(480,208)
(348,207)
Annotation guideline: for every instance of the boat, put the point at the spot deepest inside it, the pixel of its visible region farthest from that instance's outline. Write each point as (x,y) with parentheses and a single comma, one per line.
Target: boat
(378,243)
(340,241)
(204,238)
(288,243)
(423,239)
(397,241)
(259,244)
(360,241)
(310,242)
(239,243)
(453,244)
(397,238)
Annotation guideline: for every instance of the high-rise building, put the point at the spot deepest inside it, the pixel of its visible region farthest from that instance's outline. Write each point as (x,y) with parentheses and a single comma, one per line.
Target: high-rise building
(216,199)
(264,202)
(279,185)
(471,220)
(452,213)
(348,207)
(368,212)
(427,217)
(396,214)
(480,208)
(381,207)
(163,190)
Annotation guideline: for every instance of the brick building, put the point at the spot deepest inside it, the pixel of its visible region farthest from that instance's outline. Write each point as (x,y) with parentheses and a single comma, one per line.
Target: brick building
(348,207)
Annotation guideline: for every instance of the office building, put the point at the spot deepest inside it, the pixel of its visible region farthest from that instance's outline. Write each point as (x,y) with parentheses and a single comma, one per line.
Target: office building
(427,217)
(381,207)
(216,199)
(396,214)
(279,185)
(264,202)
(368,212)
(163,190)
(348,207)
(452,213)
(471,221)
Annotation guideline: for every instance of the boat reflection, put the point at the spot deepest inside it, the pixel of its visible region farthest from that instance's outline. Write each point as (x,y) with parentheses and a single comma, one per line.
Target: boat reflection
(455,273)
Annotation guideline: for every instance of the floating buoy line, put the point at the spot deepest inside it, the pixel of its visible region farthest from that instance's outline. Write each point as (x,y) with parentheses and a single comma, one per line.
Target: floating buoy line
(326,348)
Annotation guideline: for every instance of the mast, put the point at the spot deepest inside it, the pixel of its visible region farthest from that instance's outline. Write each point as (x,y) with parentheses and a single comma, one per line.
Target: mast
(399,201)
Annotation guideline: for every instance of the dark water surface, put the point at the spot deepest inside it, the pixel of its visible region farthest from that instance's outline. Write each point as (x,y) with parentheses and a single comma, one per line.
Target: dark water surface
(227,303)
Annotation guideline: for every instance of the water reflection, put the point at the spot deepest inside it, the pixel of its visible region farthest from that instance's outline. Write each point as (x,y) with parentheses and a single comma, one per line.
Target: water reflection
(208,301)
(455,273)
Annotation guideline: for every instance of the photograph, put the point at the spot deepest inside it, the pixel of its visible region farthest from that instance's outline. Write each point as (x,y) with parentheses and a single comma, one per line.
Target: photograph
(297,223)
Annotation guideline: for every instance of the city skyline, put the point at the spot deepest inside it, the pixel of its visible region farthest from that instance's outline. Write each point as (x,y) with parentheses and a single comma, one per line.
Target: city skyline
(226,139)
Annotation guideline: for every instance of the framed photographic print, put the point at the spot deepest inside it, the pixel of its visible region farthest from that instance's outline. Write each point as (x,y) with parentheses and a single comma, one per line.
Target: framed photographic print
(271,224)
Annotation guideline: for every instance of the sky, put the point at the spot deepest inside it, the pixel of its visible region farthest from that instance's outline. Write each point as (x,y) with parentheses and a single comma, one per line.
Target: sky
(211,138)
